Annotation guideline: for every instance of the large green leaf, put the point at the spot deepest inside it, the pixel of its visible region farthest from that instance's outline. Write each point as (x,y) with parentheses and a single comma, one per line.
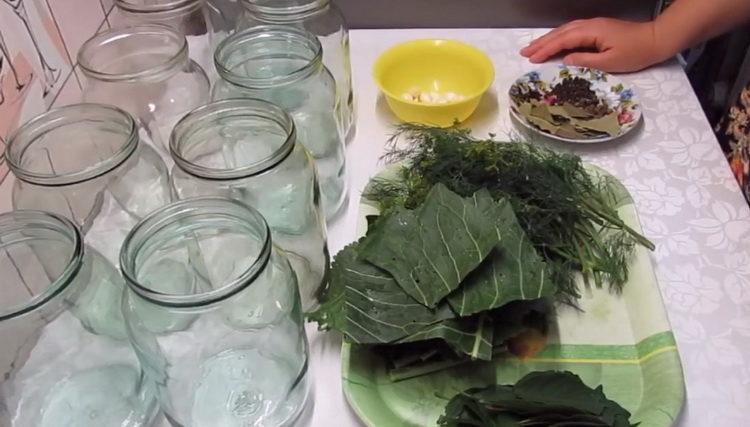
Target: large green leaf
(367,305)
(513,271)
(470,336)
(546,398)
(431,250)
(566,390)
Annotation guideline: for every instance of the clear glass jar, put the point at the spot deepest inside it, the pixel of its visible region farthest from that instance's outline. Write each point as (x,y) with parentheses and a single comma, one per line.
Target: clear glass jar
(214,314)
(65,358)
(323,19)
(283,65)
(246,149)
(188,17)
(86,162)
(146,71)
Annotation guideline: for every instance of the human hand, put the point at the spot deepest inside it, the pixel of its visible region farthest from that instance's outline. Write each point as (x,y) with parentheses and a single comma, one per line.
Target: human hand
(618,46)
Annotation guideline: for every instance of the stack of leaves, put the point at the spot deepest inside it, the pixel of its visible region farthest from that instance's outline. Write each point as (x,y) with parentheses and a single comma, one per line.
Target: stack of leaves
(568,213)
(443,273)
(548,399)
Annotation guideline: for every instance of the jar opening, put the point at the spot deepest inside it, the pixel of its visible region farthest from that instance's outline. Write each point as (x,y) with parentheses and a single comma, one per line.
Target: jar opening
(231,139)
(146,6)
(133,53)
(195,252)
(280,9)
(40,254)
(267,56)
(71,144)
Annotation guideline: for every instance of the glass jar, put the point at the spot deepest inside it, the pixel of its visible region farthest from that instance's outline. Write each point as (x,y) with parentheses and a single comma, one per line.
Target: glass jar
(323,19)
(146,71)
(65,359)
(283,65)
(190,18)
(86,162)
(246,149)
(214,314)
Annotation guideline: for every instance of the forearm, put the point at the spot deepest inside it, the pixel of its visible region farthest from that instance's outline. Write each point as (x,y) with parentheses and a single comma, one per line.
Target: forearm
(688,22)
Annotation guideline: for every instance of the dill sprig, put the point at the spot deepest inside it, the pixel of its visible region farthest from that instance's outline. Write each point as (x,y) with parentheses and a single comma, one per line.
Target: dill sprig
(568,214)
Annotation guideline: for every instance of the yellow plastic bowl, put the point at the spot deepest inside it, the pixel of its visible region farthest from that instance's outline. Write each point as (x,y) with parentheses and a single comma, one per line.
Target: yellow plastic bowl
(433,66)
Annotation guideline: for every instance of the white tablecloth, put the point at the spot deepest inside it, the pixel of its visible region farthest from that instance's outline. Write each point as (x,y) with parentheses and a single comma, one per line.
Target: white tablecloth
(688,202)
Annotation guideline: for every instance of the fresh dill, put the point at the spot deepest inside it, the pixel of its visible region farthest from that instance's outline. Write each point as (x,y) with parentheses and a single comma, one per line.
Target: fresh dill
(569,214)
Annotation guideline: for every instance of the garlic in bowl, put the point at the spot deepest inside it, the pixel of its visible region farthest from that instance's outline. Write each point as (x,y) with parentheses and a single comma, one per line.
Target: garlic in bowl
(416,95)
(433,82)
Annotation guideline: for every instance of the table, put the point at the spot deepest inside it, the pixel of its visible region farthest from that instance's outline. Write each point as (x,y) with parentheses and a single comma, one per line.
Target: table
(687,199)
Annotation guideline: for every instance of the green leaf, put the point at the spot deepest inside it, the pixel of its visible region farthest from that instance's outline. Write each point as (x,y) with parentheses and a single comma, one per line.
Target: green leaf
(431,250)
(367,305)
(470,336)
(464,411)
(513,271)
(548,398)
(565,389)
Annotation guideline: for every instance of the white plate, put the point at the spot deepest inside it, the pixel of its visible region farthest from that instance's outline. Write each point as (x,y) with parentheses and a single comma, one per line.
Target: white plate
(618,95)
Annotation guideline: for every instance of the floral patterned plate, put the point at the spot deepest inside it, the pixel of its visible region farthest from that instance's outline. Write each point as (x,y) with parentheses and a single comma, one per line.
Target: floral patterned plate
(621,109)
(623,342)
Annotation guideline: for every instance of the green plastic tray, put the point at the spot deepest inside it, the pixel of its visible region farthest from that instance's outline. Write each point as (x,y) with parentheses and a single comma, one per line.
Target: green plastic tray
(623,342)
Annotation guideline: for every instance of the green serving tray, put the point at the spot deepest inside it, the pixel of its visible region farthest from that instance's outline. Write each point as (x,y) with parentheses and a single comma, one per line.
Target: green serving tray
(623,342)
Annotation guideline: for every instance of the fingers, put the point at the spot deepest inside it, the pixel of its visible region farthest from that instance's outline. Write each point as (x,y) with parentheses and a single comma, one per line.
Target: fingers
(571,39)
(538,42)
(599,60)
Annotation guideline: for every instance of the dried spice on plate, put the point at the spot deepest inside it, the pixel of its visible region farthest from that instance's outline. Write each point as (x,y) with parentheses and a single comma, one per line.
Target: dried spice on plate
(572,105)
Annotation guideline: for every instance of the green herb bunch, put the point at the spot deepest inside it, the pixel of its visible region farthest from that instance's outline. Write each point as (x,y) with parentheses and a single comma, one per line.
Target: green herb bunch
(568,212)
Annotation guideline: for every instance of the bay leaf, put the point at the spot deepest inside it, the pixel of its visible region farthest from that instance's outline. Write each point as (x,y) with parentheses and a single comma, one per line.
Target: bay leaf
(607,124)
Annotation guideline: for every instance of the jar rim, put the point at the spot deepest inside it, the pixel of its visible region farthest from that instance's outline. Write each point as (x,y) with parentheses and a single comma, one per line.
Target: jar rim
(100,40)
(23,220)
(284,10)
(132,6)
(262,33)
(205,115)
(179,211)
(24,136)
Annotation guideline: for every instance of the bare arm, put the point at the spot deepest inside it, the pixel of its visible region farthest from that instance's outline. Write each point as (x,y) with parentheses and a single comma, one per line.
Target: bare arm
(689,22)
(615,45)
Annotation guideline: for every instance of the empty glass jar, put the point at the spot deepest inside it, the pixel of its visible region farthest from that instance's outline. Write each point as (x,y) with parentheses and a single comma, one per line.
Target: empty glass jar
(246,149)
(86,162)
(146,71)
(283,65)
(188,17)
(323,19)
(65,359)
(214,314)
